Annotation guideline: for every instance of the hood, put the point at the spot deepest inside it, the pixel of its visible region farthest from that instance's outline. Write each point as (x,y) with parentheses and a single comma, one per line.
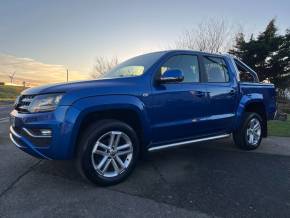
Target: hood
(81,89)
(68,87)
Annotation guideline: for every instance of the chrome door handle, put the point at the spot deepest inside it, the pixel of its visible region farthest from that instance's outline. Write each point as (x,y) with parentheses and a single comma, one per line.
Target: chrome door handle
(198,93)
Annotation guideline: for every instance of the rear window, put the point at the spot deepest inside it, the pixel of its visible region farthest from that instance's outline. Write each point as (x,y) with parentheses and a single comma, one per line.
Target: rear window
(216,69)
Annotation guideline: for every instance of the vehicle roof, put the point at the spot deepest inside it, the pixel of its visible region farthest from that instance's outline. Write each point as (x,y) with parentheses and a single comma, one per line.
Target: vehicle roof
(188,51)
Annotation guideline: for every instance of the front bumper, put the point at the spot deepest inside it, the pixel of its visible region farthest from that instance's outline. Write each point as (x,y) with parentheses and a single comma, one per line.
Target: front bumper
(59,145)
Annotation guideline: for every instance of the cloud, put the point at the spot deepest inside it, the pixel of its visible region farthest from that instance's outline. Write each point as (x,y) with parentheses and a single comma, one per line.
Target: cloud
(34,72)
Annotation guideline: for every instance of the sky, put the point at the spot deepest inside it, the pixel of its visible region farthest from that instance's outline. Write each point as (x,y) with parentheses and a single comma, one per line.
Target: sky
(40,39)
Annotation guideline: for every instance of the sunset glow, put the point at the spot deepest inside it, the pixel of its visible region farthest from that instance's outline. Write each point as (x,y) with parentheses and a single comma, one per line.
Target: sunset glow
(33,72)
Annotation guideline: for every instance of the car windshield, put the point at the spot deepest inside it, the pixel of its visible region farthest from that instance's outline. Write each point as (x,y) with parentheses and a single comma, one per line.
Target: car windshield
(133,67)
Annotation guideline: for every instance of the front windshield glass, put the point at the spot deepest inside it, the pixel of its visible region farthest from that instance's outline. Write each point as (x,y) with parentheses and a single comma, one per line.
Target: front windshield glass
(133,67)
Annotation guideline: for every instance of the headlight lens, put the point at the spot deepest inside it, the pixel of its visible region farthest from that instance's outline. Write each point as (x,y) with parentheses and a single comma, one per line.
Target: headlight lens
(46,102)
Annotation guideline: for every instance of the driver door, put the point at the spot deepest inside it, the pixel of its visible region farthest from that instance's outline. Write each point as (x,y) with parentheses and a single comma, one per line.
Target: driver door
(179,108)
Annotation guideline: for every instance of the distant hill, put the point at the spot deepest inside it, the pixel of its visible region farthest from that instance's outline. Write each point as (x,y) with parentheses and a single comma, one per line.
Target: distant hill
(8,92)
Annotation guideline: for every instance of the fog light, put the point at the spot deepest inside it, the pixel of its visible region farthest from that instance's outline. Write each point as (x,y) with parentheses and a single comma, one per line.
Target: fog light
(45,132)
(38,133)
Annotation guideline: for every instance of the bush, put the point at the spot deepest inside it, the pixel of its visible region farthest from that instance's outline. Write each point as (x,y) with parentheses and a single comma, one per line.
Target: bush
(10,92)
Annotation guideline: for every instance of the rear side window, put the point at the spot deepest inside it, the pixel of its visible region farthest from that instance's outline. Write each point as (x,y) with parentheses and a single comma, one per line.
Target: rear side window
(187,64)
(216,69)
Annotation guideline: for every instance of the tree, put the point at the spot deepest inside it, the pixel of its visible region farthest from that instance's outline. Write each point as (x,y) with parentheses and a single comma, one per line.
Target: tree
(281,62)
(103,65)
(239,46)
(212,35)
(268,54)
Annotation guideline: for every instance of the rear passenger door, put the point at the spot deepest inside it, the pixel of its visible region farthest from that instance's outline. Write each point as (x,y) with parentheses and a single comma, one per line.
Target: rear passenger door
(222,94)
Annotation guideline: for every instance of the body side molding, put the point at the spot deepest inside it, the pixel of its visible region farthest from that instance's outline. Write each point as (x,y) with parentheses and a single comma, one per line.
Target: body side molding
(188,142)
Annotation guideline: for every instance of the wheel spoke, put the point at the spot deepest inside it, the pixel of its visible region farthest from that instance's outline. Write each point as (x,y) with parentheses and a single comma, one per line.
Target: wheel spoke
(117,140)
(106,166)
(103,153)
(257,135)
(112,138)
(122,147)
(118,159)
(251,138)
(256,127)
(102,162)
(102,145)
(120,153)
(116,168)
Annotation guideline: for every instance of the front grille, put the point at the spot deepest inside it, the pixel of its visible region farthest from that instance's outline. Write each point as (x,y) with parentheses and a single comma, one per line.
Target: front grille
(23,103)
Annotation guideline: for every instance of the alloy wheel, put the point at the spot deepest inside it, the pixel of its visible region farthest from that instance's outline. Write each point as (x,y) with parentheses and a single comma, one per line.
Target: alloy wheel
(254,131)
(112,154)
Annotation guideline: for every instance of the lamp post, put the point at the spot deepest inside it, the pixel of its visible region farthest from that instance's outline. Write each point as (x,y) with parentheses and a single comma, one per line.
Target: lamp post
(66,75)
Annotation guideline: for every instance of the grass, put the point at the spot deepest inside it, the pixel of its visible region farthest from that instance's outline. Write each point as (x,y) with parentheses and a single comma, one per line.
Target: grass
(9,93)
(279,128)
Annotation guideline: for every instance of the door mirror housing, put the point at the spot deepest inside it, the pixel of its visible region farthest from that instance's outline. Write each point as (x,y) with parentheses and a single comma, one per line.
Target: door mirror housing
(173,75)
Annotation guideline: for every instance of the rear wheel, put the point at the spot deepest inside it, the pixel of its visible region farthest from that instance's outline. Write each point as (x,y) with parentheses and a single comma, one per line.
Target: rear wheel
(108,152)
(249,135)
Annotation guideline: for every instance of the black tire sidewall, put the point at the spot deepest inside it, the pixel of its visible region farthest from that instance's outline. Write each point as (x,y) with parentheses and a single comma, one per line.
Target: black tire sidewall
(87,143)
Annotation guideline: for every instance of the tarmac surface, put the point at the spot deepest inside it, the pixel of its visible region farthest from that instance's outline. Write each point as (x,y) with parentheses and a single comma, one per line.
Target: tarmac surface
(213,179)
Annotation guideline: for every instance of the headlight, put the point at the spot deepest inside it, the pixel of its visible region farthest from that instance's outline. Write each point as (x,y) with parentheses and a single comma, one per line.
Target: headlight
(46,102)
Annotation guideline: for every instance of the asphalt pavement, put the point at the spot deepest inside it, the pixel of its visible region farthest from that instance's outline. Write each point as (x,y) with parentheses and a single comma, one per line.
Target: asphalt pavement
(4,111)
(213,179)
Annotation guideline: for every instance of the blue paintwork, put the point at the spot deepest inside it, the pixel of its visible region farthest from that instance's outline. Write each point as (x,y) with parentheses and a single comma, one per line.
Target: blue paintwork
(168,112)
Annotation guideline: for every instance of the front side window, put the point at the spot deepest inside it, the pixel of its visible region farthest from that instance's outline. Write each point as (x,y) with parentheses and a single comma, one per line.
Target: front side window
(216,69)
(187,64)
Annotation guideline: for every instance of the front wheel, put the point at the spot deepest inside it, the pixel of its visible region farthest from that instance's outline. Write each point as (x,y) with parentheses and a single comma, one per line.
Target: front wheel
(249,135)
(108,152)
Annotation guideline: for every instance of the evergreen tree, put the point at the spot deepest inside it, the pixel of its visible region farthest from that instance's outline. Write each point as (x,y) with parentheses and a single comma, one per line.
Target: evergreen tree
(282,62)
(268,54)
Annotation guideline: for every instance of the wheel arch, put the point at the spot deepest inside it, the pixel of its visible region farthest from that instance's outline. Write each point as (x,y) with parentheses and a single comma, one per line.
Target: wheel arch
(127,109)
(253,103)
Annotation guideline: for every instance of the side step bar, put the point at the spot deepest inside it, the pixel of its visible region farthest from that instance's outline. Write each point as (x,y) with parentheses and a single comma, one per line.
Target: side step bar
(188,142)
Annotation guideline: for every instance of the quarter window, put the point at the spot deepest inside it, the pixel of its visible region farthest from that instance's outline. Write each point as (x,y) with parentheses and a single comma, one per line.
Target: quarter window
(216,69)
(244,74)
(187,64)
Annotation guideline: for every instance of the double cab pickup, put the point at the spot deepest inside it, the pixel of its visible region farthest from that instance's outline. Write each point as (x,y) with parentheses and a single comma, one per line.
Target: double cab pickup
(150,102)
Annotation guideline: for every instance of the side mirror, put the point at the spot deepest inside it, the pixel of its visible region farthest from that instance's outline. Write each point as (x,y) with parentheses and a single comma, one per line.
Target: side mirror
(173,75)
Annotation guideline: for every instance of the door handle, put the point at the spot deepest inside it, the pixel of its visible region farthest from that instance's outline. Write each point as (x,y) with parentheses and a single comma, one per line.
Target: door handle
(198,93)
(232,92)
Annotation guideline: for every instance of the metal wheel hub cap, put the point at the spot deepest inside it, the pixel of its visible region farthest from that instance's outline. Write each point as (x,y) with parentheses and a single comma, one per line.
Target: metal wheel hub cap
(254,131)
(112,154)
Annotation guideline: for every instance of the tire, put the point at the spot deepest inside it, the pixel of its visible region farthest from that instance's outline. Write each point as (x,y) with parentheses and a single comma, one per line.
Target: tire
(100,157)
(247,137)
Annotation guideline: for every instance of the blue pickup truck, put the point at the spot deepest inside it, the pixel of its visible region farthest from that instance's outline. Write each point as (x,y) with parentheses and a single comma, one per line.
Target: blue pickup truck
(150,102)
